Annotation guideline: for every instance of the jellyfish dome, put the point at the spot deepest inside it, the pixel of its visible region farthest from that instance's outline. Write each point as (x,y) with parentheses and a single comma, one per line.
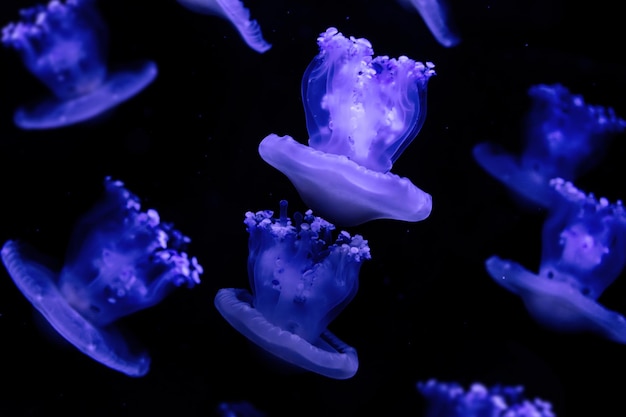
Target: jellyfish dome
(362,113)
(64,45)
(300,281)
(584,248)
(120,260)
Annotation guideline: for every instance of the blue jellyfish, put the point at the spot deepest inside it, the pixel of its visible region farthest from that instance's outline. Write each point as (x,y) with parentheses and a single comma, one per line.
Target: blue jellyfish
(361,114)
(120,260)
(64,45)
(437,17)
(584,251)
(238,409)
(235,12)
(564,138)
(300,282)
(449,399)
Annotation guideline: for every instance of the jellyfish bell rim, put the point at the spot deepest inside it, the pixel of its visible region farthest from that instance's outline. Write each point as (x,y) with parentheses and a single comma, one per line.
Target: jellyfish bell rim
(580,313)
(375,195)
(36,282)
(330,357)
(119,86)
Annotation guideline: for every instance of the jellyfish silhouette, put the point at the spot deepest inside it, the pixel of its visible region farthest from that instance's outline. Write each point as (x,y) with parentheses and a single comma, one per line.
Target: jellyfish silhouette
(436,15)
(300,282)
(65,46)
(120,260)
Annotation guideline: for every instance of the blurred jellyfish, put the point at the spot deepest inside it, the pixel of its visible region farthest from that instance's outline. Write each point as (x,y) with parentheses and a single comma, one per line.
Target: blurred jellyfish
(564,138)
(449,399)
(238,409)
(65,46)
(120,260)
(436,15)
(235,12)
(300,282)
(362,113)
(584,251)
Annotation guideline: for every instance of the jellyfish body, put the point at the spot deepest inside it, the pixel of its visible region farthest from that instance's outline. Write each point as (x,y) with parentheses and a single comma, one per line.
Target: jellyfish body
(362,113)
(238,409)
(437,17)
(64,45)
(564,138)
(300,282)
(120,260)
(584,248)
(449,399)
(235,12)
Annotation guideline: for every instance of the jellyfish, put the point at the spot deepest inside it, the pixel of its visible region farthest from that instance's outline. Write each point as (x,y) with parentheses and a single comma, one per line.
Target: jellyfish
(449,399)
(437,17)
(361,114)
(300,282)
(584,251)
(235,12)
(64,45)
(238,409)
(564,137)
(120,260)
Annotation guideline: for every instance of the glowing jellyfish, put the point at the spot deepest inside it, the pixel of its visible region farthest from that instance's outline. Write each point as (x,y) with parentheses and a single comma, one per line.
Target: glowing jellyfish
(437,17)
(238,409)
(120,260)
(64,45)
(564,137)
(449,399)
(235,12)
(584,251)
(362,113)
(300,282)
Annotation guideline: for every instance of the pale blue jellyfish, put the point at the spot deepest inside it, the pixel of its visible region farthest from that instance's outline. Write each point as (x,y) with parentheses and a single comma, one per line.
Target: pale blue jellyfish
(362,113)
(236,13)
(584,251)
(436,15)
(64,45)
(300,281)
(449,399)
(120,260)
(564,137)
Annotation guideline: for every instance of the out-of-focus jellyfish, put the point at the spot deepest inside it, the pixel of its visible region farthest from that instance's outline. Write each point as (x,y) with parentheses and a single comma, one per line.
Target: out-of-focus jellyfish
(65,46)
(361,113)
(238,409)
(449,399)
(437,17)
(300,282)
(564,137)
(235,12)
(584,251)
(120,260)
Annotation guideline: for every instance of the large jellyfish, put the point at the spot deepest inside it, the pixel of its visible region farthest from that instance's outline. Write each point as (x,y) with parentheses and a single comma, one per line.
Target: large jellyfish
(436,15)
(564,137)
(361,113)
(120,260)
(64,45)
(584,251)
(449,399)
(235,12)
(300,282)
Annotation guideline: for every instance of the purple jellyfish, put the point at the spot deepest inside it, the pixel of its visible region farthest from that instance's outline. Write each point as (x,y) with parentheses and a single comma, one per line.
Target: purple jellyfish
(235,12)
(584,251)
(362,113)
(120,260)
(436,16)
(300,282)
(451,400)
(564,138)
(64,45)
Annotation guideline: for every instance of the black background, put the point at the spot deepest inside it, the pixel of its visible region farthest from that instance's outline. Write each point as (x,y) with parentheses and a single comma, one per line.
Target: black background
(187,145)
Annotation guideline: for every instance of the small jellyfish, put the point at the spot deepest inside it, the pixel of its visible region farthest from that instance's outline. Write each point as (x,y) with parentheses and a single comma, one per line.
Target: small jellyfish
(64,45)
(238,409)
(235,12)
(437,17)
(449,399)
(119,260)
(584,251)
(564,137)
(300,282)
(361,114)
